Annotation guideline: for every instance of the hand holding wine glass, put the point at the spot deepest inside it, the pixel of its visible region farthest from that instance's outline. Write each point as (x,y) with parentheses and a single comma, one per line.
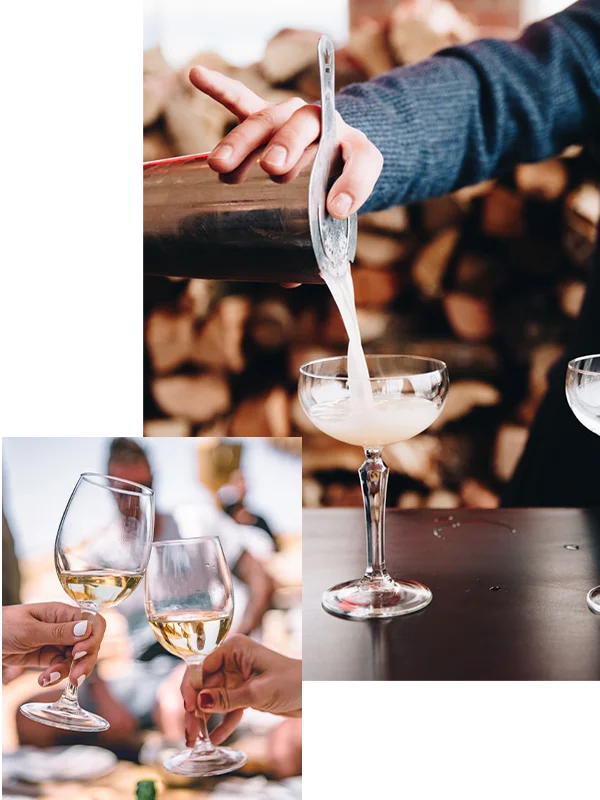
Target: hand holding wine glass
(189,603)
(101,552)
(243,674)
(51,635)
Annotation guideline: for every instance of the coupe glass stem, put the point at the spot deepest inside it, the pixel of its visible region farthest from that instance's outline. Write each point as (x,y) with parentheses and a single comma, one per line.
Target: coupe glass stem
(68,701)
(203,744)
(373,478)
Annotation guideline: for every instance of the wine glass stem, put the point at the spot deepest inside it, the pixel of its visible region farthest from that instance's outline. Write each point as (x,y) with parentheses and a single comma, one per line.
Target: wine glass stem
(68,700)
(373,478)
(203,743)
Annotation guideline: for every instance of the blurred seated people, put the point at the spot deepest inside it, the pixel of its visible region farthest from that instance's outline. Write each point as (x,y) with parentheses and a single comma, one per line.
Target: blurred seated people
(232,497)
(241,674)
(147,695)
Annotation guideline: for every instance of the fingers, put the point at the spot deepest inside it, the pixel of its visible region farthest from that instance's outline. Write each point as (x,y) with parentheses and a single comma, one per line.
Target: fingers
(253,132)
(221,700)
(362,166)
(192,728)
(56,672)
(189,694)
(226,727)
(291,139)
(232,94)
(82,656)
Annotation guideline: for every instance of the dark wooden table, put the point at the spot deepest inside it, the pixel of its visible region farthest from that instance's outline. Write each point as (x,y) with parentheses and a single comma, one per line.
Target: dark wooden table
(533,624)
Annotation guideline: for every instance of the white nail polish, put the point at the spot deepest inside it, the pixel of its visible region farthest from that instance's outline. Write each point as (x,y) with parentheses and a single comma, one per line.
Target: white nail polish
(54,676)
(80,680)
(81,654)
(80,628)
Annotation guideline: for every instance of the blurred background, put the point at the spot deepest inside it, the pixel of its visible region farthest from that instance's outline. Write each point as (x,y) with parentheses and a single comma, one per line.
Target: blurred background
(488,279)
(246,491)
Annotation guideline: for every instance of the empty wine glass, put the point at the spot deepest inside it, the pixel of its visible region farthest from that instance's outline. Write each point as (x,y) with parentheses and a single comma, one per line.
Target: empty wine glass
(189,603)
(408,394)
(101,552)
(583,396)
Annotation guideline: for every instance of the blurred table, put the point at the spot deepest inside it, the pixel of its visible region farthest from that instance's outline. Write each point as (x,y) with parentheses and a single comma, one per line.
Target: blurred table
(506,606)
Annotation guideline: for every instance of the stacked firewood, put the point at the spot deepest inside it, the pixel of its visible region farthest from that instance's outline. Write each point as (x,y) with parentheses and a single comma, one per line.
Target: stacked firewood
(489,279)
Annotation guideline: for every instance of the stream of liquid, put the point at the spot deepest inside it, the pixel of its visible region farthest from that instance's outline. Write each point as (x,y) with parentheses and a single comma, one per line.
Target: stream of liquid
(362,418)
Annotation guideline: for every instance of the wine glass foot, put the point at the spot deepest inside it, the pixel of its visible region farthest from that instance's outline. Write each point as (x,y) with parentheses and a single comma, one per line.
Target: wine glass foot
(593,600)
(218,761)
(78,720)
(376,598)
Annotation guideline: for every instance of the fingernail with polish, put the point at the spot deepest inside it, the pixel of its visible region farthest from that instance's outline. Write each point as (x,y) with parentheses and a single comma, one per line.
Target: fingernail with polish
(52,678)
(341,204)
(80,628)
(206,700)
(81,654)
(222,153)
(80,680)
(275,155)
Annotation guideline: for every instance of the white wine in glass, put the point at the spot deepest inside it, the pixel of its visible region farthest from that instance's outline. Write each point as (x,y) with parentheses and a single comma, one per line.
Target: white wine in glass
(583,396)
(402,397)
(189,603)
(101,552)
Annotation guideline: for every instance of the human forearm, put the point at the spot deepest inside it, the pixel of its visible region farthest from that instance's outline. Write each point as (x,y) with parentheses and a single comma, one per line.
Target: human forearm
(473,112)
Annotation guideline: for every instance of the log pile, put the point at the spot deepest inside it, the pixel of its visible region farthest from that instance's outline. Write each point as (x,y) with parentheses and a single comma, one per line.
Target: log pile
(488,279)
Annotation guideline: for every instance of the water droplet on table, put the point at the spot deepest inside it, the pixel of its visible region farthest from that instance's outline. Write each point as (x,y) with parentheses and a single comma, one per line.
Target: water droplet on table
(571,546)
(495,588)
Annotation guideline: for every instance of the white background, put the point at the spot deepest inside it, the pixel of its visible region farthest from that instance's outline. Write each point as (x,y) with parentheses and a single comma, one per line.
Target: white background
(71,320)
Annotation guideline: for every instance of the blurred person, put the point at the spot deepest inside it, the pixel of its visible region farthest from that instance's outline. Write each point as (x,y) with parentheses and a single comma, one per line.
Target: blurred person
(11,574)
(467,114)
(147,695)
(241,674)
(232,497)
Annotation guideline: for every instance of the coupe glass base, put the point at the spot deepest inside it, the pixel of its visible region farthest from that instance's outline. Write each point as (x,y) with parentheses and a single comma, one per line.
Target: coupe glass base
(593,600)
(218,761)
(376,598)
(79,720)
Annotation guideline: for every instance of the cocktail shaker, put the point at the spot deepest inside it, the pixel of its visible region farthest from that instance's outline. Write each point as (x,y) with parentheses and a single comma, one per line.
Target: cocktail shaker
(248,225)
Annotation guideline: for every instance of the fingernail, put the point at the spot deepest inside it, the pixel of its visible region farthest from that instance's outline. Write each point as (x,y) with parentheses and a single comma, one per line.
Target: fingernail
(81,654)
(275,155)
(80,680)
(222,152)
(206,700)
(52,678)
(80,628)
(341,203)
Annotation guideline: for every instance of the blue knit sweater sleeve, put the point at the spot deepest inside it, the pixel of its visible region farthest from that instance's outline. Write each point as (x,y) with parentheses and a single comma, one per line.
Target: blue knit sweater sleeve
(472,112)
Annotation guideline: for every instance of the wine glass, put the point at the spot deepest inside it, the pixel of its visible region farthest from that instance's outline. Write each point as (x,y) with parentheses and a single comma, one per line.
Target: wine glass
(101,552)
(189,603)
(583,396)
(408,394)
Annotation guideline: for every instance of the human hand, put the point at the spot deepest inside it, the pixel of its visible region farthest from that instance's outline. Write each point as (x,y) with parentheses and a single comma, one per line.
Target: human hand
(242,674)
(51,635)
(288,128)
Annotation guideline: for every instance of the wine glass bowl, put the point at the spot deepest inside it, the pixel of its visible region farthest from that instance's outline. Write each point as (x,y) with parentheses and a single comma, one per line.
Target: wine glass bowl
(101,552)
(189,604)
(408,394)
(583,395)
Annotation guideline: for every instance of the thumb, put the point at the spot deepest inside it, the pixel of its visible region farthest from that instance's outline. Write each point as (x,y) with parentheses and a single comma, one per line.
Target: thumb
(221,700)
(63,634)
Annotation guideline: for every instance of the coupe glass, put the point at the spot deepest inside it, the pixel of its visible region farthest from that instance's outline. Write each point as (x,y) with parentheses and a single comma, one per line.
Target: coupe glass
(101,552)
(189,603)
(583,395)
(408,395)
